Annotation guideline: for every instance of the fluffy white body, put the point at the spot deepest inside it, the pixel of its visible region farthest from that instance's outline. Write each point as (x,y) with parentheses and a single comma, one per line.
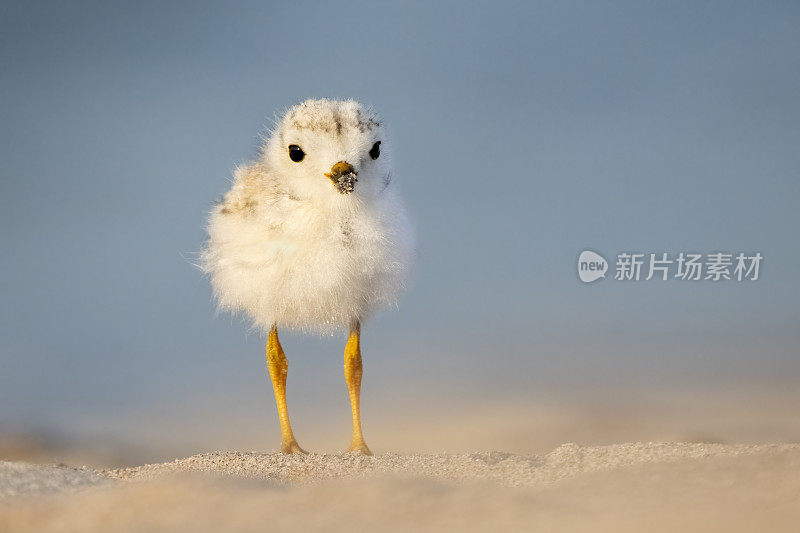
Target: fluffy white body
(288,248)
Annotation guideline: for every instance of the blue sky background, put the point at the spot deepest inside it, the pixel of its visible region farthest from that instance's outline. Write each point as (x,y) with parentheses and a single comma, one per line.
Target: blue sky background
(524,133)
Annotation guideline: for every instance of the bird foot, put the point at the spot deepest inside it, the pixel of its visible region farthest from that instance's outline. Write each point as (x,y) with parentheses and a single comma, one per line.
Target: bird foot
(359,446)
(291,447)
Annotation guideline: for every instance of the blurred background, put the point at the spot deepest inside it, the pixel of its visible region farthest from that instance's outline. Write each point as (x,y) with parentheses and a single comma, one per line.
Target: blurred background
(524,133)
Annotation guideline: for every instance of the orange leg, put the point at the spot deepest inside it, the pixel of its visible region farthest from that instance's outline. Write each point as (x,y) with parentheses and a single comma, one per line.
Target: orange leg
(353,371)
(278,367)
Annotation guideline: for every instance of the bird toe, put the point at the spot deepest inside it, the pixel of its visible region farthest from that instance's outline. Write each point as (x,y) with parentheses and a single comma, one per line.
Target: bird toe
(292,447)
(360,447)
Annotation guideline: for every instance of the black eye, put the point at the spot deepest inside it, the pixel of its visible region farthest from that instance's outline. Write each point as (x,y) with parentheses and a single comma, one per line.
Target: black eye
(375,152)
(296,153)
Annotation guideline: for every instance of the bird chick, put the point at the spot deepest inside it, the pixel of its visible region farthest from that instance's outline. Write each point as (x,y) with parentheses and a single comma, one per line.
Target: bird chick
(312,235)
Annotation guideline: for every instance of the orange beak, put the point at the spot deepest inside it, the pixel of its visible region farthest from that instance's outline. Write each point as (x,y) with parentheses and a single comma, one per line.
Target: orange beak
(343,177)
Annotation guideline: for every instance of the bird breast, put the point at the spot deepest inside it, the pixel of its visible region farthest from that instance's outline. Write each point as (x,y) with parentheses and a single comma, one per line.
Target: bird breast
(288,262)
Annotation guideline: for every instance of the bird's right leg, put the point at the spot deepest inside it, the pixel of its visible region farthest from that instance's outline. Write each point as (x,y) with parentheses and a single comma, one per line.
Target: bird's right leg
(278,367)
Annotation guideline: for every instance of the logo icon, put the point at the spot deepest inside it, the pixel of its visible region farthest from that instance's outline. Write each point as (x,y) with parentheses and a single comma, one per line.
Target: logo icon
(591,266)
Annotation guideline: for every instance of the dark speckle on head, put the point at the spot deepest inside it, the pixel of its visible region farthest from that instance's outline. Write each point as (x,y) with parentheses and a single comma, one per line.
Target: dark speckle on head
(366,123)
(315,117)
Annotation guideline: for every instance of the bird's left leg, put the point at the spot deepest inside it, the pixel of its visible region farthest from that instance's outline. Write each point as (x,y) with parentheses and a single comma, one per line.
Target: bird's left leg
(278,367)
(353,371)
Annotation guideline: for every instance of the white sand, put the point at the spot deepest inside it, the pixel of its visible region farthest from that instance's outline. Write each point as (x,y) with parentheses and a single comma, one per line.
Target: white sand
(23,479)
(568,460)
(625,487)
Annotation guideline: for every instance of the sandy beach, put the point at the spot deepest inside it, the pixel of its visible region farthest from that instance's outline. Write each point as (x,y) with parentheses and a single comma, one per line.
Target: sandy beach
(684,462)
(623,487)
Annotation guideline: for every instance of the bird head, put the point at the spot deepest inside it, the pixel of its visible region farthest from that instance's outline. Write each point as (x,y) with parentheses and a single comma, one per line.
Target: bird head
(330,150)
